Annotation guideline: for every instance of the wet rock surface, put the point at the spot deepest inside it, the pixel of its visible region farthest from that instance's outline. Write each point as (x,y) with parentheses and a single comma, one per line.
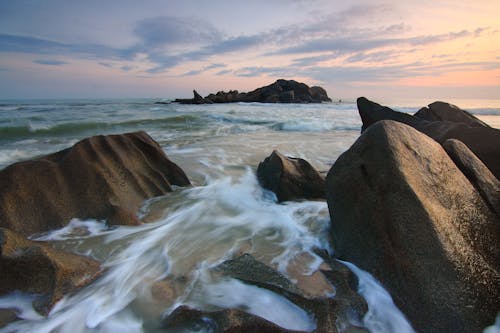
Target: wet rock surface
(37,268)
(290,178)
(102,177)
(403,211)
(342,312)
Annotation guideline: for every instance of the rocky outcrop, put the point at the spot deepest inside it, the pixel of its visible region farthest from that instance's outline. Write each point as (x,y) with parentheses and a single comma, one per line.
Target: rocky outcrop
(102,177)
(281,91)
(290,178)
(403,211)
(477,173)
(442,111)
(37,268)
(483,141)
(344,311)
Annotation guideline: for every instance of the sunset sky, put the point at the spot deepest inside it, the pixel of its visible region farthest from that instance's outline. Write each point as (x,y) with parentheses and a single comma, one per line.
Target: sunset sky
(435,49)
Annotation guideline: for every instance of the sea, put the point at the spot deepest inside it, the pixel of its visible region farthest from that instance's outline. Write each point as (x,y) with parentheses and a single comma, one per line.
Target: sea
(166,262)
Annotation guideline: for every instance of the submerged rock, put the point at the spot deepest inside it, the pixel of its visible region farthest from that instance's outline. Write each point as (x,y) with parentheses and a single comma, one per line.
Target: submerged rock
(290,178)
(442,111)
(281,91)
(342,312)
(37,268)
(403,211)
(483,141)
(186,319)
(102,177)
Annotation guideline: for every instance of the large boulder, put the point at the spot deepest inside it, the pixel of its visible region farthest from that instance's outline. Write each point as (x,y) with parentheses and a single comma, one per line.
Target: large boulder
(442,111)
(37,268)
(403,211)
(290,178)
(344,310)
(478,174)
(482,140)
(102,177)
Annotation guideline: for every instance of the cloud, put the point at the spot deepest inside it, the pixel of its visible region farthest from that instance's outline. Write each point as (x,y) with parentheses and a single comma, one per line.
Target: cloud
(127,68)
(163,31)
(50,62)
(204,69)
(224,72)
(33,45)
(26,44)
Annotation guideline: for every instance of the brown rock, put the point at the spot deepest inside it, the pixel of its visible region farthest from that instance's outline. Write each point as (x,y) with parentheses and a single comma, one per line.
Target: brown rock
(328,312)
(102,177)
(187,319)
(290,178)
(483,141)
(36,267)
(477,173)
(442,111)
(404,212)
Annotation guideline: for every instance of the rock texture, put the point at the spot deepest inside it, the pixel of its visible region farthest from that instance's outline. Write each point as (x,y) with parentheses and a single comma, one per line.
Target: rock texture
(102,177)
(483,141)
(403,211)
(281,91)
(186,319)
(35,267)
(477,173)
(290,178)
(442,111)
(332,314)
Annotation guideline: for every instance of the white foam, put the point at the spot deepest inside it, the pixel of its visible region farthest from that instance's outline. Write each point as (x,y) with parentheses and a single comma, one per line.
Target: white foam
(304,125)
(495,328)
(234,294)
(9,156)
(383,316)
(76,228)
(21,304)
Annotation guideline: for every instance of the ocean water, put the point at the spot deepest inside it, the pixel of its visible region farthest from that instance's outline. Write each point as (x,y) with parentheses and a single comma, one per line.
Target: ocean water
(166,262)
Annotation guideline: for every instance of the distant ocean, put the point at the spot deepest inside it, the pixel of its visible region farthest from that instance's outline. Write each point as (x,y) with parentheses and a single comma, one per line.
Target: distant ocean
(219,147)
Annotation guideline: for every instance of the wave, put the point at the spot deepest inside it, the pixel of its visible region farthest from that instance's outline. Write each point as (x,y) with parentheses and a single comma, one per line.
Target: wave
(485,111)
(47,129)
(236,120)
(311,126)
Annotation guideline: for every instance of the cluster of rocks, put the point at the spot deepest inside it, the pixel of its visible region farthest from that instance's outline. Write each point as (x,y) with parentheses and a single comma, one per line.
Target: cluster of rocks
(102,177)
(415,201)
(281,91)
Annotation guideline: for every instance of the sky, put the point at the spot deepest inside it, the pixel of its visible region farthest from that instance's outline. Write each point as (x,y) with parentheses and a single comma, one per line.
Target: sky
(390,50)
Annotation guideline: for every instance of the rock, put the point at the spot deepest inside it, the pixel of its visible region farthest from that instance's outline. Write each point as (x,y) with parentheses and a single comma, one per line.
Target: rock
(186,319)
(442,111)
(281,91)
(404,212)
(102,177)
(343,310)
(482,141)
(319,94)
(7,316)
(290,178)
(36,267)
(477,173)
